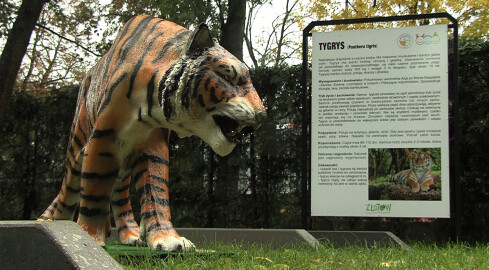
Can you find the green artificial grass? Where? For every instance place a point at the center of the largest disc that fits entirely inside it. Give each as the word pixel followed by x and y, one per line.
pixel 236 256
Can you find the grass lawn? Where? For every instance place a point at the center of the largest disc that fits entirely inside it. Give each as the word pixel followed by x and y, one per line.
pixel 235 256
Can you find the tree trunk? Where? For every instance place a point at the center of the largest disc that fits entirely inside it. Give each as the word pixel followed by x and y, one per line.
pixel 233 30
pixel 15 48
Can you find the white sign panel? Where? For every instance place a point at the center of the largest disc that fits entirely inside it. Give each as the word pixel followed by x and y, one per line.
pixel 379 127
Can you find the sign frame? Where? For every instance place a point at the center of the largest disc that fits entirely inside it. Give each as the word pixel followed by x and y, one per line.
pixel 455 194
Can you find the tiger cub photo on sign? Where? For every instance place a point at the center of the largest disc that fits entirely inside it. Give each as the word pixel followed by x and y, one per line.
pixel 404 174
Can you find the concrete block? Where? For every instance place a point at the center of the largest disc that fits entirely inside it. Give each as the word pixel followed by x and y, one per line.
pixel 50 245
pixel 341 239
pixel 274 237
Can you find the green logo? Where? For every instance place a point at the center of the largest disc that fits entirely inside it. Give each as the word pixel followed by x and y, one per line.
pixel 378 208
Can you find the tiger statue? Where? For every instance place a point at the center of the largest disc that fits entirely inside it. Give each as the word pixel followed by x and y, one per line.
pixel 419 176
pixel 156 77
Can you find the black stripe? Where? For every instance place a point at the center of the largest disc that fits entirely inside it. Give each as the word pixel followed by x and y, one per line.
pixel 133 38
pixel 198 79
pixel 221 75
pixel 121 202
pixel 127 227
pixel 77 141
pixel 159 227
pixel 186 92
pixel 70 189
pixel 201 101
pixel 159 179
pixel 152 199
pixel 109 95
pixel 151 213
pixel 91 175
pixel 150 91
pixel 150 32
pixel 71 208
pixel 219 57
pixel 138 175
pixel 125 214
pixel 123 188
pixel 140 117
pixel 213 97
pixel 139 64
pixel 149 188
pixel 97 133
pixel 72 169
pixel 94 198
pixel 91 212
pixel 124 30
pixel 105 154
pixel 170 43
pixel 235 73
pixel 172 88
pixel 207 82
pixel 161 85
pixel 149 158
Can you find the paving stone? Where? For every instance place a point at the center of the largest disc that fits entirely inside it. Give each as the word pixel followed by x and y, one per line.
pixel 50 245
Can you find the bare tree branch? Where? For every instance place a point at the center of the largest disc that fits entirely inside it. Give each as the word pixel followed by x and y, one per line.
pixel 67 39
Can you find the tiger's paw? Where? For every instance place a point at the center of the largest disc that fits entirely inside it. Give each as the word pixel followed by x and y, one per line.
pixel 415 188
pixel 130 237
pixel 426 185
pixel 171 243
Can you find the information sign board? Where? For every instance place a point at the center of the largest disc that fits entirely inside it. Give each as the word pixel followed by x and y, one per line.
pixel 379 103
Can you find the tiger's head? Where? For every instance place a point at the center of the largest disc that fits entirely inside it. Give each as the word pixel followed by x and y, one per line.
pixel 220 104
pixel 420 161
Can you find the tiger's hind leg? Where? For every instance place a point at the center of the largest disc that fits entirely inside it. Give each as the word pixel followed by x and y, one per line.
pixel 127 227
pixel 98 175
pixel 150 174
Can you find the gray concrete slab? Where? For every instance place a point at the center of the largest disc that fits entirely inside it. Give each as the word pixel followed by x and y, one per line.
pixel 50 245
pixel 274 237
pixel 341 239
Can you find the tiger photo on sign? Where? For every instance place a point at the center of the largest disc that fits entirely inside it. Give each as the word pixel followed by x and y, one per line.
pixel 404 174
pixel 156 77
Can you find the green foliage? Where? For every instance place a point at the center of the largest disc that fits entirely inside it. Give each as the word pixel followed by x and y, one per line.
pixel 474 129
pixel 188 13
pixel 33 141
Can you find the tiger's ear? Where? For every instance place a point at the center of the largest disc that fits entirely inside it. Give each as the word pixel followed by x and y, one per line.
pixel 200 39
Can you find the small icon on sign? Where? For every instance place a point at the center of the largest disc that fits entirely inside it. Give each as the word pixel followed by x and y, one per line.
pixel 405 41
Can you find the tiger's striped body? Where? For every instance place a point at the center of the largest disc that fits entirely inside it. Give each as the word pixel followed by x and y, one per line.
pixel 419 176
pixel 156 77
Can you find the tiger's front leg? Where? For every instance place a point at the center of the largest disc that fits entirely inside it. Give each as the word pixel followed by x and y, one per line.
pixel 413 183
pixel 425 186
pixel 150 174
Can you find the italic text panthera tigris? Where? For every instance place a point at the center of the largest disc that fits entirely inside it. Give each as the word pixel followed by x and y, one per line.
pixel 156 77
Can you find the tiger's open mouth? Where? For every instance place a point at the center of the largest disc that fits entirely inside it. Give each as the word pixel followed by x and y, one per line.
pixel 232 130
